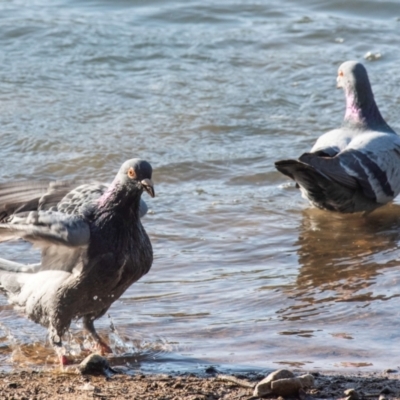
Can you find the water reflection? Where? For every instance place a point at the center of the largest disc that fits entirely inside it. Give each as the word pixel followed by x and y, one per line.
pixel 346 250
pixel 344 253
pixel 341 258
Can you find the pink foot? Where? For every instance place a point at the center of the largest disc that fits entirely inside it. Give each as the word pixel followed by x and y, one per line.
pixel 64 360
pixel 103 348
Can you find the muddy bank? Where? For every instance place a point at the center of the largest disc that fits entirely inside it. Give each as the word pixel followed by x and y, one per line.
pixel 72 385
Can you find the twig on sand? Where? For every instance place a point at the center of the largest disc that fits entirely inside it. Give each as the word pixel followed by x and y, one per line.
pixel 239 382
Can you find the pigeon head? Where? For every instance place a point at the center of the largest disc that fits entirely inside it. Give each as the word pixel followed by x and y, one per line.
pixel 353 77
pixel 136 173
pixel 125 191
pixel 361 109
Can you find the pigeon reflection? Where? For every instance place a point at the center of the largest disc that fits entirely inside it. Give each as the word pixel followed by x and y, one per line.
pixel 340 257
pixel 343 254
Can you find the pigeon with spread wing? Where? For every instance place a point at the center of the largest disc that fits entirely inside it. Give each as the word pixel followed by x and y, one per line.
pixel 93 246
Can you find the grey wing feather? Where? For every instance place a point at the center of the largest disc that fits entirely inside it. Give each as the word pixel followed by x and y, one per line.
pixel 331 168
pixel 66 196
pixel 62 238
pixel 46 227
pixel 81 196
pixel 61 258
pixel 28 196
pixel 12 266
pixel 54 257
pixel 349 169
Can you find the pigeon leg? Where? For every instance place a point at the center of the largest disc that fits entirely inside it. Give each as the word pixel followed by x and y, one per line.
pixel 88 324
pixel 64 360
pixel 59 349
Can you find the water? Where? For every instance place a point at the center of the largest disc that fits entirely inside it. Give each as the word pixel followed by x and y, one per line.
pixel 245 275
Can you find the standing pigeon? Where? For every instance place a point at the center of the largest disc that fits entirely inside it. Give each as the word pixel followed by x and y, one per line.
pixel 93 249
pixel 356 167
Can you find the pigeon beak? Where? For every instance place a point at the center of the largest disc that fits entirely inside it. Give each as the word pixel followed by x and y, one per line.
pixel 148 186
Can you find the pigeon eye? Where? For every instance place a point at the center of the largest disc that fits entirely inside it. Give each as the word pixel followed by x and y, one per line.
pixel 341 73
pixel 131 173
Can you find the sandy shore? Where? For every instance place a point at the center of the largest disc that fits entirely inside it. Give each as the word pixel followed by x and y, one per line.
pixel 72 385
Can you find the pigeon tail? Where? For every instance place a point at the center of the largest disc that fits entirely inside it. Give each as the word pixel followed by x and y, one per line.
pixel 322 192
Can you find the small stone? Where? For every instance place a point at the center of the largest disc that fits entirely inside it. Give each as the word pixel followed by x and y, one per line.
pixel 87 387
pixel 95 364
pixel 390 371
pixel 122 369
pixel 302 395
pixel 13 385
pixel 386 390
pixel 264 387
pixel 351 394
pixel 211 370
pixel 286 387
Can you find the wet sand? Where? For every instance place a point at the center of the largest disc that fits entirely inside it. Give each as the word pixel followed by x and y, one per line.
pixel 72 385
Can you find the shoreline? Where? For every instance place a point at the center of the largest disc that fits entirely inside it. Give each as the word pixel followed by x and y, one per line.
pixel 70 384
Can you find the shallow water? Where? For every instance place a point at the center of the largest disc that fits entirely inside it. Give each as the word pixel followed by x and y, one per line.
pixel 245 273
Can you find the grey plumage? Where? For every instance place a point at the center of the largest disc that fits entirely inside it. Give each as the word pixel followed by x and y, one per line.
pixel 356 167
pixel 93 248
pixel 62 196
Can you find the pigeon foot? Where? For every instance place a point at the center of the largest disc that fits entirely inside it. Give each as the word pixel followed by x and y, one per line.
pixel 64 360
pixel 103 348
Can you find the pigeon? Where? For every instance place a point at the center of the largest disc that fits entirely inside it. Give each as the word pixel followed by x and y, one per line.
pixel 355 168
pixel 93 247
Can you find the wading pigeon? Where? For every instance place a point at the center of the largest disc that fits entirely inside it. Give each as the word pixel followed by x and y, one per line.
pixel 93 248
pixel 356 167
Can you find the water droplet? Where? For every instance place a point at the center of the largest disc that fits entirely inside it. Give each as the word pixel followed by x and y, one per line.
pixel 95 297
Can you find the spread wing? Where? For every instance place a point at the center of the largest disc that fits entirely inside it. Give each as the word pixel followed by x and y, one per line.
pixel 62 238
pixel 46 227
pixel 65 196
pixel 29 196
